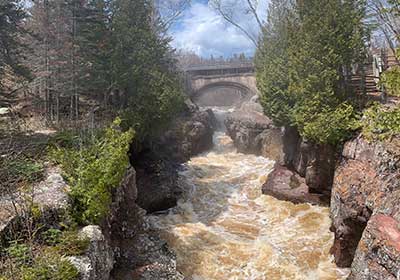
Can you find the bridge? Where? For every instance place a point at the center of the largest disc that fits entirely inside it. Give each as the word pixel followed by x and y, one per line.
pixel 223 84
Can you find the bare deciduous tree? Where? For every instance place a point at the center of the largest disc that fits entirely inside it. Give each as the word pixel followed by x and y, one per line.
pixel 171 10
pixel 230 10
pixel 385 17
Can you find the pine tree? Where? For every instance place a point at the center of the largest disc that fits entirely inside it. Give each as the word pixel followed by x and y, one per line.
pixel 304 65
pixel 142 67
pixel 12 16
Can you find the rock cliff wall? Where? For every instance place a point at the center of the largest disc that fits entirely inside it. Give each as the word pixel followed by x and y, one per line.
pixel 253 132
pixel 365 209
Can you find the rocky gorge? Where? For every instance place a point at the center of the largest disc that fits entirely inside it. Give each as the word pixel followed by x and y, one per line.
pixel 360 182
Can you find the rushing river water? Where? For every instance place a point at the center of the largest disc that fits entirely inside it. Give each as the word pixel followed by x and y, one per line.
pixel 224 228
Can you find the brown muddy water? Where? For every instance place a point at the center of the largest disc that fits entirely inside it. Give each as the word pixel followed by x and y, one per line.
pixel 224 228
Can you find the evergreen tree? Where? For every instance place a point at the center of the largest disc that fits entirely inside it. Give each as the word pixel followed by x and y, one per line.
pixel 141 66
pixel 305 65
pixel 12 16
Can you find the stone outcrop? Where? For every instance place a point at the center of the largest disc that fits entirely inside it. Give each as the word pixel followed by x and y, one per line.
pixel 50 195
pixel 254 133
pixel 157 183
pixel 365 209
pixel 98 261
pixel 314 162
pixel 156 166
pixel 191 133
pixel 139 253
pixel 285 184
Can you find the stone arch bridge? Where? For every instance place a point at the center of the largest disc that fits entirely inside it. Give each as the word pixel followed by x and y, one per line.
pixel 221 85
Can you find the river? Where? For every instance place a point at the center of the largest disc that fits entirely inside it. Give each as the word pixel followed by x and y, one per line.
pixel 225 229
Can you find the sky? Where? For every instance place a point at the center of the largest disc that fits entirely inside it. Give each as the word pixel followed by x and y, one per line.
pixel 202 30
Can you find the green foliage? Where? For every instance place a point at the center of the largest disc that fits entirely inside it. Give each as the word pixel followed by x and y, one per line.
pixel 19 253
pixel 71 244
pixel 326 125
pixel 52 236
pixel 26 169
pixel 391 80
pixel 306 49
pixel 155 108
pixel 43 257
pixel 50 266
pixel 380 123
pixel 93 171
pixel 143 68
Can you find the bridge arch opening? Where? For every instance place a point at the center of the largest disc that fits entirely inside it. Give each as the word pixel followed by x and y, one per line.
pixel 222 94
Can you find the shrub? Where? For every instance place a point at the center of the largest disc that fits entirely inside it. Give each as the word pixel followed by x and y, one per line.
pixel 380 122
pixel 50 266
pixel 93 170
pixel 27 262
pixel 19 253
pixel 71 244
pixel 326 125
pixel 391 80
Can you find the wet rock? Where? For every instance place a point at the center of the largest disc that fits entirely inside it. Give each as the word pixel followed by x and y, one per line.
pixel 316 163
pixel 285 184
pixel 157 186
pixel 190 134
pixel 368 174
pixel 136 248
pixel 157 262
pixel 254 133
pixel 98 261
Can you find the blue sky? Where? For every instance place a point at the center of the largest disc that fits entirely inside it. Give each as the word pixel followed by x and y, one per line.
pixel 202 30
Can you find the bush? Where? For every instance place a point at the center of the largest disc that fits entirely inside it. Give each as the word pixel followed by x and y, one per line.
pixel 50 266
pixel 27 262
pixel 391 80
pixel 19 253
pixel 93 170
pixel 380 123
pixel 326 125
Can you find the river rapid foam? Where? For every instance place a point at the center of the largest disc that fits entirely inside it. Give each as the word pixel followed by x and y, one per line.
pixel 224 228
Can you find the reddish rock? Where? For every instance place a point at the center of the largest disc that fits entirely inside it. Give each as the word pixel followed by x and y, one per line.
pixel 284 184
pixel 367 175
pixel 378 254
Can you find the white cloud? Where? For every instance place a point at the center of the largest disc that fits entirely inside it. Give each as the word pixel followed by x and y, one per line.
pixel 205 32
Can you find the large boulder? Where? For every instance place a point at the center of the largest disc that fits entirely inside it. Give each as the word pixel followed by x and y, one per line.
pixel 368 174
pixel 316 163
pixel 285 184
pixel 190 134
pixel 254 133
pixel 156 165
pixel 50 195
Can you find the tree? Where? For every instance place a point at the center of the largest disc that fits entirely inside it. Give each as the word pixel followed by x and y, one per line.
pixel 228 9
pixel 12 28
pixel 143 68
pixel 308 48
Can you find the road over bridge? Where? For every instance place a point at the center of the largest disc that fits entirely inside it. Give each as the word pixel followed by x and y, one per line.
pixel 221 84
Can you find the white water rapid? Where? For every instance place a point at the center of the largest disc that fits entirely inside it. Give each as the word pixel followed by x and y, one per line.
pixel 225 229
